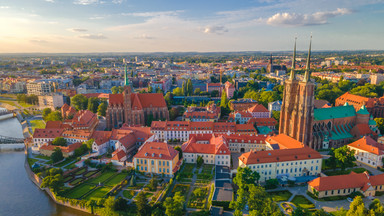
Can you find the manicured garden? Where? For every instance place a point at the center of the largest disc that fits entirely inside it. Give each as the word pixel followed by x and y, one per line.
pixel 79 191
pixel 42 157
pixel 65 162
pixel 76 181
pixel 279 196
pixel 345 172
pixel 198 197
pixel 101 178
pixel 31 161
pixel 301 201
pixel 187 172
pixel 98 193
pixel 138 186
pixel 80 171
pixel 90 173
pixel 37 124
pixel 129 193
pixel 116 179
pixel 182 188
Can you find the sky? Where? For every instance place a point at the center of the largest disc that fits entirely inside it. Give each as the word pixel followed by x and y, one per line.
pixel 83 26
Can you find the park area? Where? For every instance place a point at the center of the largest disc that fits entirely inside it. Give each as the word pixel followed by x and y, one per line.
pixel 198 197
pixel 37 124
pixel 301 201
pixel 279 196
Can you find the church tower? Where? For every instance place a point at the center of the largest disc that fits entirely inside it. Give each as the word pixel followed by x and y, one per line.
pixel 296 117
pixel 127 98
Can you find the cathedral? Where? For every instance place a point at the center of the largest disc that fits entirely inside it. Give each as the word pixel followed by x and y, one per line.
pixel 324 127
pixel 135 108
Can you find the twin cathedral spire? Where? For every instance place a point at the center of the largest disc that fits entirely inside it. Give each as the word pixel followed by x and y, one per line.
pixel 307 74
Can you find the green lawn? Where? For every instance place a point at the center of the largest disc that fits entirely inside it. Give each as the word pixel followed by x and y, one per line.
pixel 279 196
pixel 25 105
pixel 301 201
pixel 205 176
pixel 31 161
pixel 198 201
pixel 182 188
pixel 138 186
pixel 67 178
pixel 116 179
pixel 10 102
pixel 101 178
pixel 188 168
pixel 65 162
pixel 207 168
pixel 90 173
pixel 79 191
pixel 42 157
pixel 128 194
pixel 148 194
pixel 98 193
pixel 76 181
pixel 37 124
pixel 70 166
pixel 80 171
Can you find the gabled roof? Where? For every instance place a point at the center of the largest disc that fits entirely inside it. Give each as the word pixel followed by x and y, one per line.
pixel 64 149
pixel 118 155
pixel 217 145
pixel 363 110
pixel 151 100
pixel 284 142
pixel 258 108
pixel 116 99
pixel 334 113
pixel 47 133
pixel 101 137
pixel 279 155
pixel 369 145
pixel 156 150
pixel 362 130
pixel 352 180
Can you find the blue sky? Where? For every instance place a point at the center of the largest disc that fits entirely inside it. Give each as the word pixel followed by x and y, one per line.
pixel 204 26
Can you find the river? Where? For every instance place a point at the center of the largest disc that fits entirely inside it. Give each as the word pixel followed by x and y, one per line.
pixel 18 195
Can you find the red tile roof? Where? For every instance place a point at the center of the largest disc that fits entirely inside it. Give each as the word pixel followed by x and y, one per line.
pixel 101 137
pixel 258 108
pixel 151 100
pixel 369 145
pixel 352 180
pixel 116 99
pixel 263 121
pixel 64 149
pixel 118 155
pixel 57 125
pixel 47 133
pixel 217 144
pixel 258 157
pixel 284 141
pixel 362 130
pixel 156 150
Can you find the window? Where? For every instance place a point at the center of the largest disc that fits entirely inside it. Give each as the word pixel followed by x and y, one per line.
pixel 159 169
pixel 159 162
pixel 167 163
pixel 153 162
pixel 145 168
pixel 167 170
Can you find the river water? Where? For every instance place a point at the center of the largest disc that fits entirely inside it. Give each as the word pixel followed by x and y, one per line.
pixel 18 195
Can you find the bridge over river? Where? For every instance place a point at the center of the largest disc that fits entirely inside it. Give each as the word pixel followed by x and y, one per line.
pixel 10 140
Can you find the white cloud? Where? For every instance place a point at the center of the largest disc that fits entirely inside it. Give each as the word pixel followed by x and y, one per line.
pixel 4 7
pixel 217 29
pixel 39 41
pixel 294 19
pixel 97 17
pixel 117 1
pixel 154 14
pixel 51 1
pixel 86 2
pixel 145 36
pixel 93 36
pixel 77 30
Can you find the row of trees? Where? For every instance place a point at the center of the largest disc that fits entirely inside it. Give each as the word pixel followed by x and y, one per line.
pixel 93 104
pixel 29 99
pixel 48 115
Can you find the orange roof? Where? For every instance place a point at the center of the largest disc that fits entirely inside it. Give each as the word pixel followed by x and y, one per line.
pixel 64 149
pixel 77 134
pixel 97 95
pixel 118 155
pixel 258 108
pixel 217 144
pixel 47 133
pixel 156 150
pixel 352 180
pixel 116 99
pixel 245 128
pixel 284 141
pixel 151 100
pixel 279 155
pixel 369 145
pixel 362 130
pixel 101 137
pixel 84 118
pixel 263 121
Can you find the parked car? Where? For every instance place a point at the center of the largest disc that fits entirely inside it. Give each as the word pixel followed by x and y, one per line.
pixel 350 199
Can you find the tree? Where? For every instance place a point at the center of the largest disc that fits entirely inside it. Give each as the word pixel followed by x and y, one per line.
pixel 150 89
pixel 102 109
pixel 245 176
pixel 54 116
pixel 132 182
pixel 300 212
pixel 89 143
pixel 173 113
pixel 93 103
pixel 357 208
pixel 331 161
pixel 79 102
pixel 178 91
pixel 174 206
pixel 199 161
pixel 46 111
pixel 149 120
pixel 375 208
pixel 224 99
pixel 189 87
pixel 143 208
pixel 214 93
pixel 168 98
pixel 114 90
pixel 120 204
pixel 345 157
pixel 184 88
pixel 178 148
pixel 153 184
pixel 53 181
pixel 109 205
pixel 59 141
pixel 197 91
pixel 57 155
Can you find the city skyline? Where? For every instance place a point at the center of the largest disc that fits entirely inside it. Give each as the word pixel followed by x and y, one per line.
pixel 84 26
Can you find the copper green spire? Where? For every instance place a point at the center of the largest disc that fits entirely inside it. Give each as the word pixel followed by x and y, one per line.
pixel 126 75
pixel 293 77
pixel 307 74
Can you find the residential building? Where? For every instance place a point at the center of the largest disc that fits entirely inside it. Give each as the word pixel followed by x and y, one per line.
pixel 213 149
pixel 39 87
pixel 376 79
pixel 74 136
pixel 282 141
pixel 368 151
pixel 67 111
pixel 229 89
pixel 202 114
pixel 343 185
pixel 51 101
pixel 42 136
pixel 157 158
pixel 274 106
pixel 48 149
pixel 242 104
pixel 281 163
pixel 259 111
pixel 83 120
